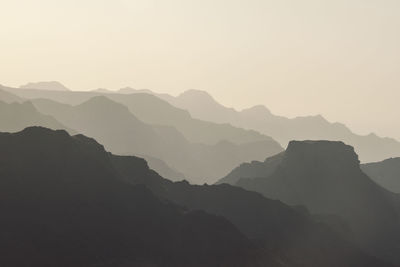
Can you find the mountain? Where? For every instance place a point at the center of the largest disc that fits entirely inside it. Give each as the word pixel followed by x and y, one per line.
pixel 253 169
pixel 113 125
pixel 15 117
pixel 386 173
pixel 130 90
pixel 163 169
pixel 102 90
pixel 64 204
pixel 51 86
pixel 8 97
pixel 202 106
pixel 153 110
pixel 326 178
pixel 290 234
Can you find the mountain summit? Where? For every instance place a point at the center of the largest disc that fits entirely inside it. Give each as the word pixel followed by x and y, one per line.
pixel 326 178
pixel 49 86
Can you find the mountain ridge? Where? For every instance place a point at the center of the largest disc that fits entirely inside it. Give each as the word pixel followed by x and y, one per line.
pixel 123 133
pixel 325 177
pixel 371 147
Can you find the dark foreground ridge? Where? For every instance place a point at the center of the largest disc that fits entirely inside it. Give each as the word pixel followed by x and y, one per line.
pixel 67 202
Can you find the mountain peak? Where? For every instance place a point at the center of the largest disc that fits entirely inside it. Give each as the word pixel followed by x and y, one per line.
pixel 102 90
pixel 195 94
pixel 130 90
pixel 103 105
pixel 318 152
pixel 101 101
pixel 43 131
pixel 47 85
pixel 259 109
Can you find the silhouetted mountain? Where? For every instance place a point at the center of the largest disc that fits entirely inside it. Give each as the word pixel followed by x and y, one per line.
pixel 63 204
pixel 386 173
pixel 200 102
pixel 282 231
pixel 253 169
pixel 74 204
pixel 326 178
pixel 151 109
pixel 163 169
pixel 129 90
pixel 51 86
pixel 102 90
pixel 8 97
pixel 121 132
pixel 202 106
pixel 15 117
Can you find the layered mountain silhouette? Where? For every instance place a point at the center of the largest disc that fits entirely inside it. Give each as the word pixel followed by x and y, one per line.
pixel 50 85
pixel 68 206
pixel 164 169
pixel 8 97
pixel 113 125
pixel 74 204
pixel 386 173
pixel 202 106
pixel 326 178
pixel 15 117
pixel 151 109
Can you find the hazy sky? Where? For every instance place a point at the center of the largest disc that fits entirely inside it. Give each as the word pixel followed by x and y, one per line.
pixel 339 58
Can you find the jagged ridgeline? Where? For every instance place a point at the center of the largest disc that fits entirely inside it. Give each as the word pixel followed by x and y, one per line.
pixel 142 124
pixel 68 202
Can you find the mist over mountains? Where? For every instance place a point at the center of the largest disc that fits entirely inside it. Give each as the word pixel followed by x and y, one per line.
pixel 202 106
pixel 135 178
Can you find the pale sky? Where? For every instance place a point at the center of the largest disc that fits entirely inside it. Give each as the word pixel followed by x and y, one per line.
pixel 338 58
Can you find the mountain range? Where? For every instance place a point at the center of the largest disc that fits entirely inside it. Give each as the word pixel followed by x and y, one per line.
pixel 69 207
pixel 326 178
pixel 15 117
pixel 203 106
pixel 153 110
pixel 74 204
pixel 153 201
pixel 168 151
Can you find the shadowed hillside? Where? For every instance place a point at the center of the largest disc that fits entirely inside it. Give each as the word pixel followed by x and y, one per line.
pixel 69 207
pixel 290 233
pixel 15 117
pixel 74 204
pixel 327 179
pixel 386 173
